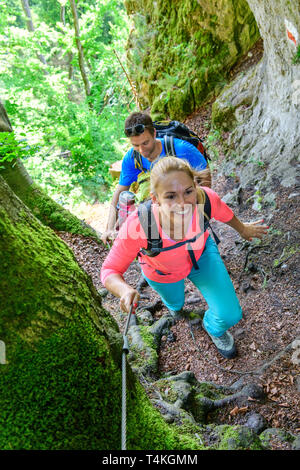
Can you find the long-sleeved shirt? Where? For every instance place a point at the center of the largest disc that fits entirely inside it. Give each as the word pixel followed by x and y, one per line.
pixel 168 266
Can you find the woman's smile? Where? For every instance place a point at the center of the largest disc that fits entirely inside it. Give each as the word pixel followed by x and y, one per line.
pixel 184 211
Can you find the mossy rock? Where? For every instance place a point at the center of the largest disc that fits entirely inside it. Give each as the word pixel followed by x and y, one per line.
pixel 181 51
pixel 277 434
pixel 223 116
pixel 236 438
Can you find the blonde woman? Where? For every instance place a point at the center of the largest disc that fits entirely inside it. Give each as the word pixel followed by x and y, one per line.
pixel 188 251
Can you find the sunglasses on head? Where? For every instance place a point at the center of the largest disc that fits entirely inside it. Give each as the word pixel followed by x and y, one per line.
pixel 135 130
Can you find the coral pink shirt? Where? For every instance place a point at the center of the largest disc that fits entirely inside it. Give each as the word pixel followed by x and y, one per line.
pixel 168 266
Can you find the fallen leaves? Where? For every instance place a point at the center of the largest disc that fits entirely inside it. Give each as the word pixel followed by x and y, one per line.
pixel 236 410
pixel 268 324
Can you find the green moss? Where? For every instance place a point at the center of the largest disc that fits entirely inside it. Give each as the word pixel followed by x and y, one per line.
pixel 56 395
pixel 61 386
pixel 205 389
pixel 237 438
pixel 54 215
pixel 296 58
pixel 66 394
pixel 166 390
pixel 160 435
pixel 223 117
pixel 33 271
pixel 180 51
pixel 144 357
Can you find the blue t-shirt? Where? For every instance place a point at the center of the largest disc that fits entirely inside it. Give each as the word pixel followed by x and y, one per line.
pixel 183 149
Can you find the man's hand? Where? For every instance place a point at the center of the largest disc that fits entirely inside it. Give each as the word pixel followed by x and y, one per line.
pixel 109 236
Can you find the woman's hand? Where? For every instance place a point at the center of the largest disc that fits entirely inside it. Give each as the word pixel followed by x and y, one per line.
pixel 248 230
pixel 254 230
pixel 118 287
pixel 130 296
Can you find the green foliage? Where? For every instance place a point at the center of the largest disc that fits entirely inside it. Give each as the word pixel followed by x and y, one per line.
pixel 296 58
pixel 10 149
pixel 75 137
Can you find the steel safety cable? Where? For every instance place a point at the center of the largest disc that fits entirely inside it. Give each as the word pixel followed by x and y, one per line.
pixel 125 351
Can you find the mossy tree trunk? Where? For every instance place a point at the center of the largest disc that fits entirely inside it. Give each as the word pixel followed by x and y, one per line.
pixel 61 384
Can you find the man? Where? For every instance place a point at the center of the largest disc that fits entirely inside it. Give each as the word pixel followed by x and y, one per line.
pixel 140 130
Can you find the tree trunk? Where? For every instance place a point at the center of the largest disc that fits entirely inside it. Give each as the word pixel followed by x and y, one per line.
pixel 264 104
pixel 61 383
pixel 63 14
pixel 80 49
pixel 30 27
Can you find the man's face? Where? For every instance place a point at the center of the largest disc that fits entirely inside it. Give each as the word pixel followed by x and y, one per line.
pixel 145 144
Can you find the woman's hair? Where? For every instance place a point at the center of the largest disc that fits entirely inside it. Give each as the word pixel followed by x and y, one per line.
pixel 166 165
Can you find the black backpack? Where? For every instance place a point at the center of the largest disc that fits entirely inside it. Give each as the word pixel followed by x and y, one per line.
pixel 168 130
pixel 155 243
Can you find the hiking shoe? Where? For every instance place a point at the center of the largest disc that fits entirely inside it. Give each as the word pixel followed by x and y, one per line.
pixel 224 344
pixel 175 314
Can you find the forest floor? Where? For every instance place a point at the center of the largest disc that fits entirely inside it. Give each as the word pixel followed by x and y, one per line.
pixel 266 278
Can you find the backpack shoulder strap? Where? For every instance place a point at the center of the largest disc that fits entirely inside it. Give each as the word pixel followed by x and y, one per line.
pixel 138 163
pixel 149 225
pixel 207 206
pixel 169 146
pixel 207 215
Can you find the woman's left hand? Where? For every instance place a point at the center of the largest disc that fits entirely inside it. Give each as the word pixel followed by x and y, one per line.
pixel 254 230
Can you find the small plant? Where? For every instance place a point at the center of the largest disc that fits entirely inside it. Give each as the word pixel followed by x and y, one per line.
pixel 211 141
pixel 296 58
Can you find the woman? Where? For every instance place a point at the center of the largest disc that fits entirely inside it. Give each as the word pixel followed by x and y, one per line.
pixel 177 207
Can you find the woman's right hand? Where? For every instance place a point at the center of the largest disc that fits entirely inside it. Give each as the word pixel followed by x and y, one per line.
pixel 130 297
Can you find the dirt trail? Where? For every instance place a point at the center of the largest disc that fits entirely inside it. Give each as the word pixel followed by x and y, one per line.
pixel 266 279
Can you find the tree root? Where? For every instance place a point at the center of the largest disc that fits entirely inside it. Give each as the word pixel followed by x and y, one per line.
pixel 259 370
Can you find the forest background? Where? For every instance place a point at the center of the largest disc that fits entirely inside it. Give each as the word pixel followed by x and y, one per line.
pixel 66 96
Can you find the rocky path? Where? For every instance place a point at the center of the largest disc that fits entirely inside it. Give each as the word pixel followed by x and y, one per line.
pixel 266 278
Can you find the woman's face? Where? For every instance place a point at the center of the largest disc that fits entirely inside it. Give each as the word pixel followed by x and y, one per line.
pixel 176 195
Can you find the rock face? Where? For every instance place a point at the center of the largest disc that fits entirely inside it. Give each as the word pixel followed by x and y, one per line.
pixel 180 50
pixel 263 106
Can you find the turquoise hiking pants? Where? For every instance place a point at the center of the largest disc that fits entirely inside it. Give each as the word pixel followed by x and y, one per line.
pixel 214 283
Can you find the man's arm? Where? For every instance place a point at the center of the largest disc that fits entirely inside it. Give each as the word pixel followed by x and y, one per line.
pixel 110 232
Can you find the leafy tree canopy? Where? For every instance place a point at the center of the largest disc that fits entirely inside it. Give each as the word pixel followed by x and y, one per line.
pixel 73 137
